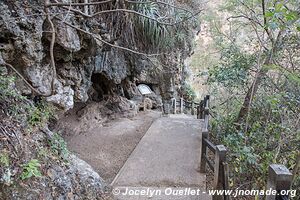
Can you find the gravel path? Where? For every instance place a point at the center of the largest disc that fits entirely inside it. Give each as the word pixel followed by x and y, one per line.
pixel 106 147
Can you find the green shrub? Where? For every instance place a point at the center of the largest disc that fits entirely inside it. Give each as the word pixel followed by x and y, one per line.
pixel 233 70
pixel 16 105
pixel 59 146
pixel 7 89
pixel 31 169
pixel 4 159
pixel 40 114
pixel 11 101
pixel 270 137
pixel 189 92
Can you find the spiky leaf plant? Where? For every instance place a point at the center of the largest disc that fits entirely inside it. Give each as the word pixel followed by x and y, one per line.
pixel 148 29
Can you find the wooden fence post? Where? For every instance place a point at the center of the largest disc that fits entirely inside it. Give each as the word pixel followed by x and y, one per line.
pixel 279 178
pixel 198 111
pixel 203 151
pixel 201 109
pixel 193 108
pixel 207 97
pixel 219 171
pixel 181 105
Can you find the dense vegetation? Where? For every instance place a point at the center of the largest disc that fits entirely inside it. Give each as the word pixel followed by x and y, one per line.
pixel 255 87
pixel 22 118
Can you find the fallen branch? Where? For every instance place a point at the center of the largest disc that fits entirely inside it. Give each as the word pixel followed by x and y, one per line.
pixel 8 137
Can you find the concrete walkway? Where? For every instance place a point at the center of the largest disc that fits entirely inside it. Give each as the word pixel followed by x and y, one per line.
pixel 165 161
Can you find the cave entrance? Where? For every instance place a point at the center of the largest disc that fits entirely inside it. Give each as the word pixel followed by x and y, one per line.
pixel 102 86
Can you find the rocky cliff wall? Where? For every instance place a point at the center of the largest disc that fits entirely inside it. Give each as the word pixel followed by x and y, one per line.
pixel 86 69
pixel 25 36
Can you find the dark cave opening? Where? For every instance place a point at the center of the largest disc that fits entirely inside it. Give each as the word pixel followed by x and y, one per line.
pixel 102 86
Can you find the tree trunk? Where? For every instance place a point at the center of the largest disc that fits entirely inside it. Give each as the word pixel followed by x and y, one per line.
pixel 252 91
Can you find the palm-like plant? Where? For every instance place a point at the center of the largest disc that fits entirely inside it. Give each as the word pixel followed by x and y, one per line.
pixel 148 29
pixel 159 35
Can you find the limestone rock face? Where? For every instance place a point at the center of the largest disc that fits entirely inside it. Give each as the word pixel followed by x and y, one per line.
pixel 64 97
pixel 87 70
pixel 67 37
pixel 80 174
pixel 25 44
pixel 40 77
pixel 79 181
pixel 113 64
pixel 25 35
pixel 147 71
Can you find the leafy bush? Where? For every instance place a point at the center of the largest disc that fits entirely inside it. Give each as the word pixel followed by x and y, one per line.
pixel 39 114
pixel 4 159
pixel 7 87
pixel 31 169
pixel 59 146
pixel 233 68
pixel 11 101
pixel 269 135
pixel 188 92
pixel 18 106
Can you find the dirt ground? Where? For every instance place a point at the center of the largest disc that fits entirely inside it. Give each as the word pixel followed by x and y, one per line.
pixel 105 144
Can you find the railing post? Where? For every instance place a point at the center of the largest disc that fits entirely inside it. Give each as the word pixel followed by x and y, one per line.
pixel 206 121
pixel 181 105
pixel 174 106
pixel 207 97
pixel 206 106
pixel 201 109
pixel 279 178
pixel 193 108
pixel 166 109
pixel 203 151
pixel 219 171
